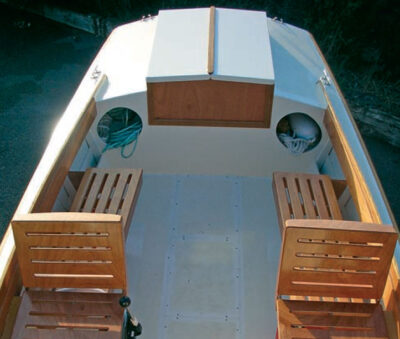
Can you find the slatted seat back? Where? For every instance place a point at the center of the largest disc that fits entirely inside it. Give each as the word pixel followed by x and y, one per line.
pixel 70 250
pixel 331 258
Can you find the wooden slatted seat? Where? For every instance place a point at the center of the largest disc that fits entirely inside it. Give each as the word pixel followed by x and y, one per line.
pixel 70 251
pixel 112 191
pixel 333 259
pixel 304 196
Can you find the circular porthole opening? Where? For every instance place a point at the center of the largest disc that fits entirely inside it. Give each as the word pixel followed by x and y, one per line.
pixel 298 132
pixel 118 128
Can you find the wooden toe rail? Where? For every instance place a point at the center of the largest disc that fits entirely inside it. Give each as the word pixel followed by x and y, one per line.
pixel 112 191
pixel 304 196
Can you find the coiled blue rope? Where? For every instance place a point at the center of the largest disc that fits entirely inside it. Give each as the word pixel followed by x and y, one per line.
pixel 121 138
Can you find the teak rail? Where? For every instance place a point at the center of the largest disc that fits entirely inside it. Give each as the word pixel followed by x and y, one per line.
pixel 359 186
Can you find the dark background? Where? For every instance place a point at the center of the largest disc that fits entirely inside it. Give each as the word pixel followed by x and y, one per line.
pixel 42 62
pixel 360 33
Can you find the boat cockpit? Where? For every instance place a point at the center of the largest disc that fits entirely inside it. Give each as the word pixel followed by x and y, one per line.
pixel 208 167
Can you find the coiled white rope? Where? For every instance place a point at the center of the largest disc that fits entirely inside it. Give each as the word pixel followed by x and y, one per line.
pixel 295 145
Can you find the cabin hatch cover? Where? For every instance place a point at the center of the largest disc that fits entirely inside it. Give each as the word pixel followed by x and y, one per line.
pixel 211 67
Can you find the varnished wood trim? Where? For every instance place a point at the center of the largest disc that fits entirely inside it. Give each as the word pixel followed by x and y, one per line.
pixel 150 104
pixel 11 316
pixel 358 187
pixel 47 180
pixel 211 41
pixel 128 221
pixel 348 111
pixel 10 287
pixel 339 186
pixel 393 280
pixel 268 109
pixel 208 123
pixel 340 225
pixel 68 217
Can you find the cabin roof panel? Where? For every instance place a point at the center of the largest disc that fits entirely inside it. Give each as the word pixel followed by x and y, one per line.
pixel 242 47
pixel 180 47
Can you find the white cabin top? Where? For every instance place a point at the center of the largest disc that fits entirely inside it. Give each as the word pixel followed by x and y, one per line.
pixel 242 51
pixel 135 54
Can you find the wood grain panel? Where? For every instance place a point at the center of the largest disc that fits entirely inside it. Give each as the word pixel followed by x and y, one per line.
pixel 324 320
pixel 302 195
pixel 113 191
pixel 210 103
pixel 325 241
pixel 86 235
pixel 11 317
pixel 68 315
pixel 211 41
pixel 339 186
pixel 391 298
pixel 358 188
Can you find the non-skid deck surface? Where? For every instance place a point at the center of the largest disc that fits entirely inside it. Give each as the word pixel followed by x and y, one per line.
pixel 202 256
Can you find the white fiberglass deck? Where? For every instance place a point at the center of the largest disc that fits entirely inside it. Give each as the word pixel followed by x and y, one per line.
pixel 202 256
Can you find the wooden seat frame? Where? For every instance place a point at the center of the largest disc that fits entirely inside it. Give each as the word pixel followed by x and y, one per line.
pixel 304 196
pixel 331 261
pixel 74 251
pixel 109 190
